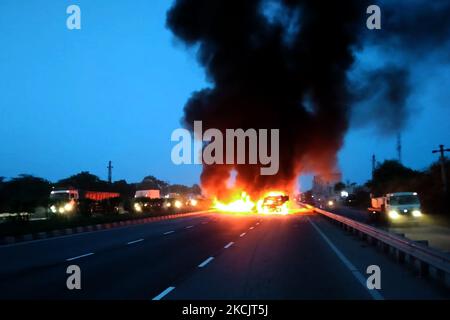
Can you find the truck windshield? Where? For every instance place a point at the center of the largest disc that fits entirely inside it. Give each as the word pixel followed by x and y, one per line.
pixel 59 196
pixel 405 199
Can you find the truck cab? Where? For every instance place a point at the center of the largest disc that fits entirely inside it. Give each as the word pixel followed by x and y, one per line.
pixel 398 206
pixel 64 201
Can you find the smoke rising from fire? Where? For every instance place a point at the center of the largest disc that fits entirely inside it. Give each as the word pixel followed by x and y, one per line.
pixel 414 33
pixel 280 65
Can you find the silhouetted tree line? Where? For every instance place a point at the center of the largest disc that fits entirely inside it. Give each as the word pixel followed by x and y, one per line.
pixel 25 192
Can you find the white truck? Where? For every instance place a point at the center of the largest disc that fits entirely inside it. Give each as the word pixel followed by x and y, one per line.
pixel 397 206
pixel 151 194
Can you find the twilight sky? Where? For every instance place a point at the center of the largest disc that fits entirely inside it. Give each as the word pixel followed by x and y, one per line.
pixel 114 90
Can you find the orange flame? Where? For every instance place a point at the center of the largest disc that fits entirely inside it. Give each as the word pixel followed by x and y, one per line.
pixel 242 203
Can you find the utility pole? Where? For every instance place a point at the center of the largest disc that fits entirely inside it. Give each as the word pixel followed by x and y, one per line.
pixel 399 146
pixel 441 150
pixel 110 167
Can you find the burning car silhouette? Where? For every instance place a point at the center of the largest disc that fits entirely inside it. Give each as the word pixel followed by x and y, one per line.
pixel 275 204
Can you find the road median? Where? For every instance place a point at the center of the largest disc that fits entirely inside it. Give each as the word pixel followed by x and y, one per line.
pixel 15 232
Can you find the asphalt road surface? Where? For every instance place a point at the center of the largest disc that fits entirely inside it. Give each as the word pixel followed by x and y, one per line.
pixel 209 256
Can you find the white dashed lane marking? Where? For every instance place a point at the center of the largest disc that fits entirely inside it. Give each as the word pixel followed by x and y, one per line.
pixel 229 245
pixel 164 293
pixel 135 241
pixel 204 263
pixel 81 256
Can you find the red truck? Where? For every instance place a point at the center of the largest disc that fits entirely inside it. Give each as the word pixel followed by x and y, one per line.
pixel 71 201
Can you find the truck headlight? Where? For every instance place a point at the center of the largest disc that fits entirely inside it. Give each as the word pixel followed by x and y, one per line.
pixel 178 204
pixel 137 207
pixel 330 203
pixel 53 209
pixel 68 207
pixel 194 202
pixel 61 210
pixel 393 214
pixel 416 213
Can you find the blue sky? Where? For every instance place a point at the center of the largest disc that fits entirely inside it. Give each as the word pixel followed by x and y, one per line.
pixel 115 90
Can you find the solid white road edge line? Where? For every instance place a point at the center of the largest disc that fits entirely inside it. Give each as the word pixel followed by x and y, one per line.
pixel 375 294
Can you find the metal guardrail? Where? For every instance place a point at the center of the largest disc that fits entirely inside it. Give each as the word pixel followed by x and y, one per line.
pixel 428 259
pixel 7 215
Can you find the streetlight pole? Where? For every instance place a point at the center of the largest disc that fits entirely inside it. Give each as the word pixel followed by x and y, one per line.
pixel 441 150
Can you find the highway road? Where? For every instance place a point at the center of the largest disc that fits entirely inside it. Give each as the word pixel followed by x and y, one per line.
pixel 209 256
pixel 430 228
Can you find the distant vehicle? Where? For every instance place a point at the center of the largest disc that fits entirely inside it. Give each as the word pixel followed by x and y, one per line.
pixel 72 201
pixel 173 203
pixel 151 194
pixel 146 205
pixel 323 201
pixel 350 200
pixel 330 203
pixel 274 203
pixel 398 206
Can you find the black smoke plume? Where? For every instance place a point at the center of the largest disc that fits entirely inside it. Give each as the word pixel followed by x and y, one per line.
pixel 284 65
pixel 413 33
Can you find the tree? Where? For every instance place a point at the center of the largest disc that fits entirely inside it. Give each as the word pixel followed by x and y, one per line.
pixel 179 188
pixel 392 176
pixel 338 187
pixel 195 189
pixel 2 197
pixel 150 182
pixel 429 187
pixel 85 181
pixel 125 189
pixel 24 193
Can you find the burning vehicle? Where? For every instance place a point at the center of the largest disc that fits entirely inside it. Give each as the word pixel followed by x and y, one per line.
pixel 275 204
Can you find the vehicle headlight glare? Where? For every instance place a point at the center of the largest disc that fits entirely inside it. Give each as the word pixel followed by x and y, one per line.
pixel 393 214
pixel 416 213
pixel 68 207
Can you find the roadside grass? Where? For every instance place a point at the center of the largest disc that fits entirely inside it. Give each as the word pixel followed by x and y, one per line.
pixel 18 228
